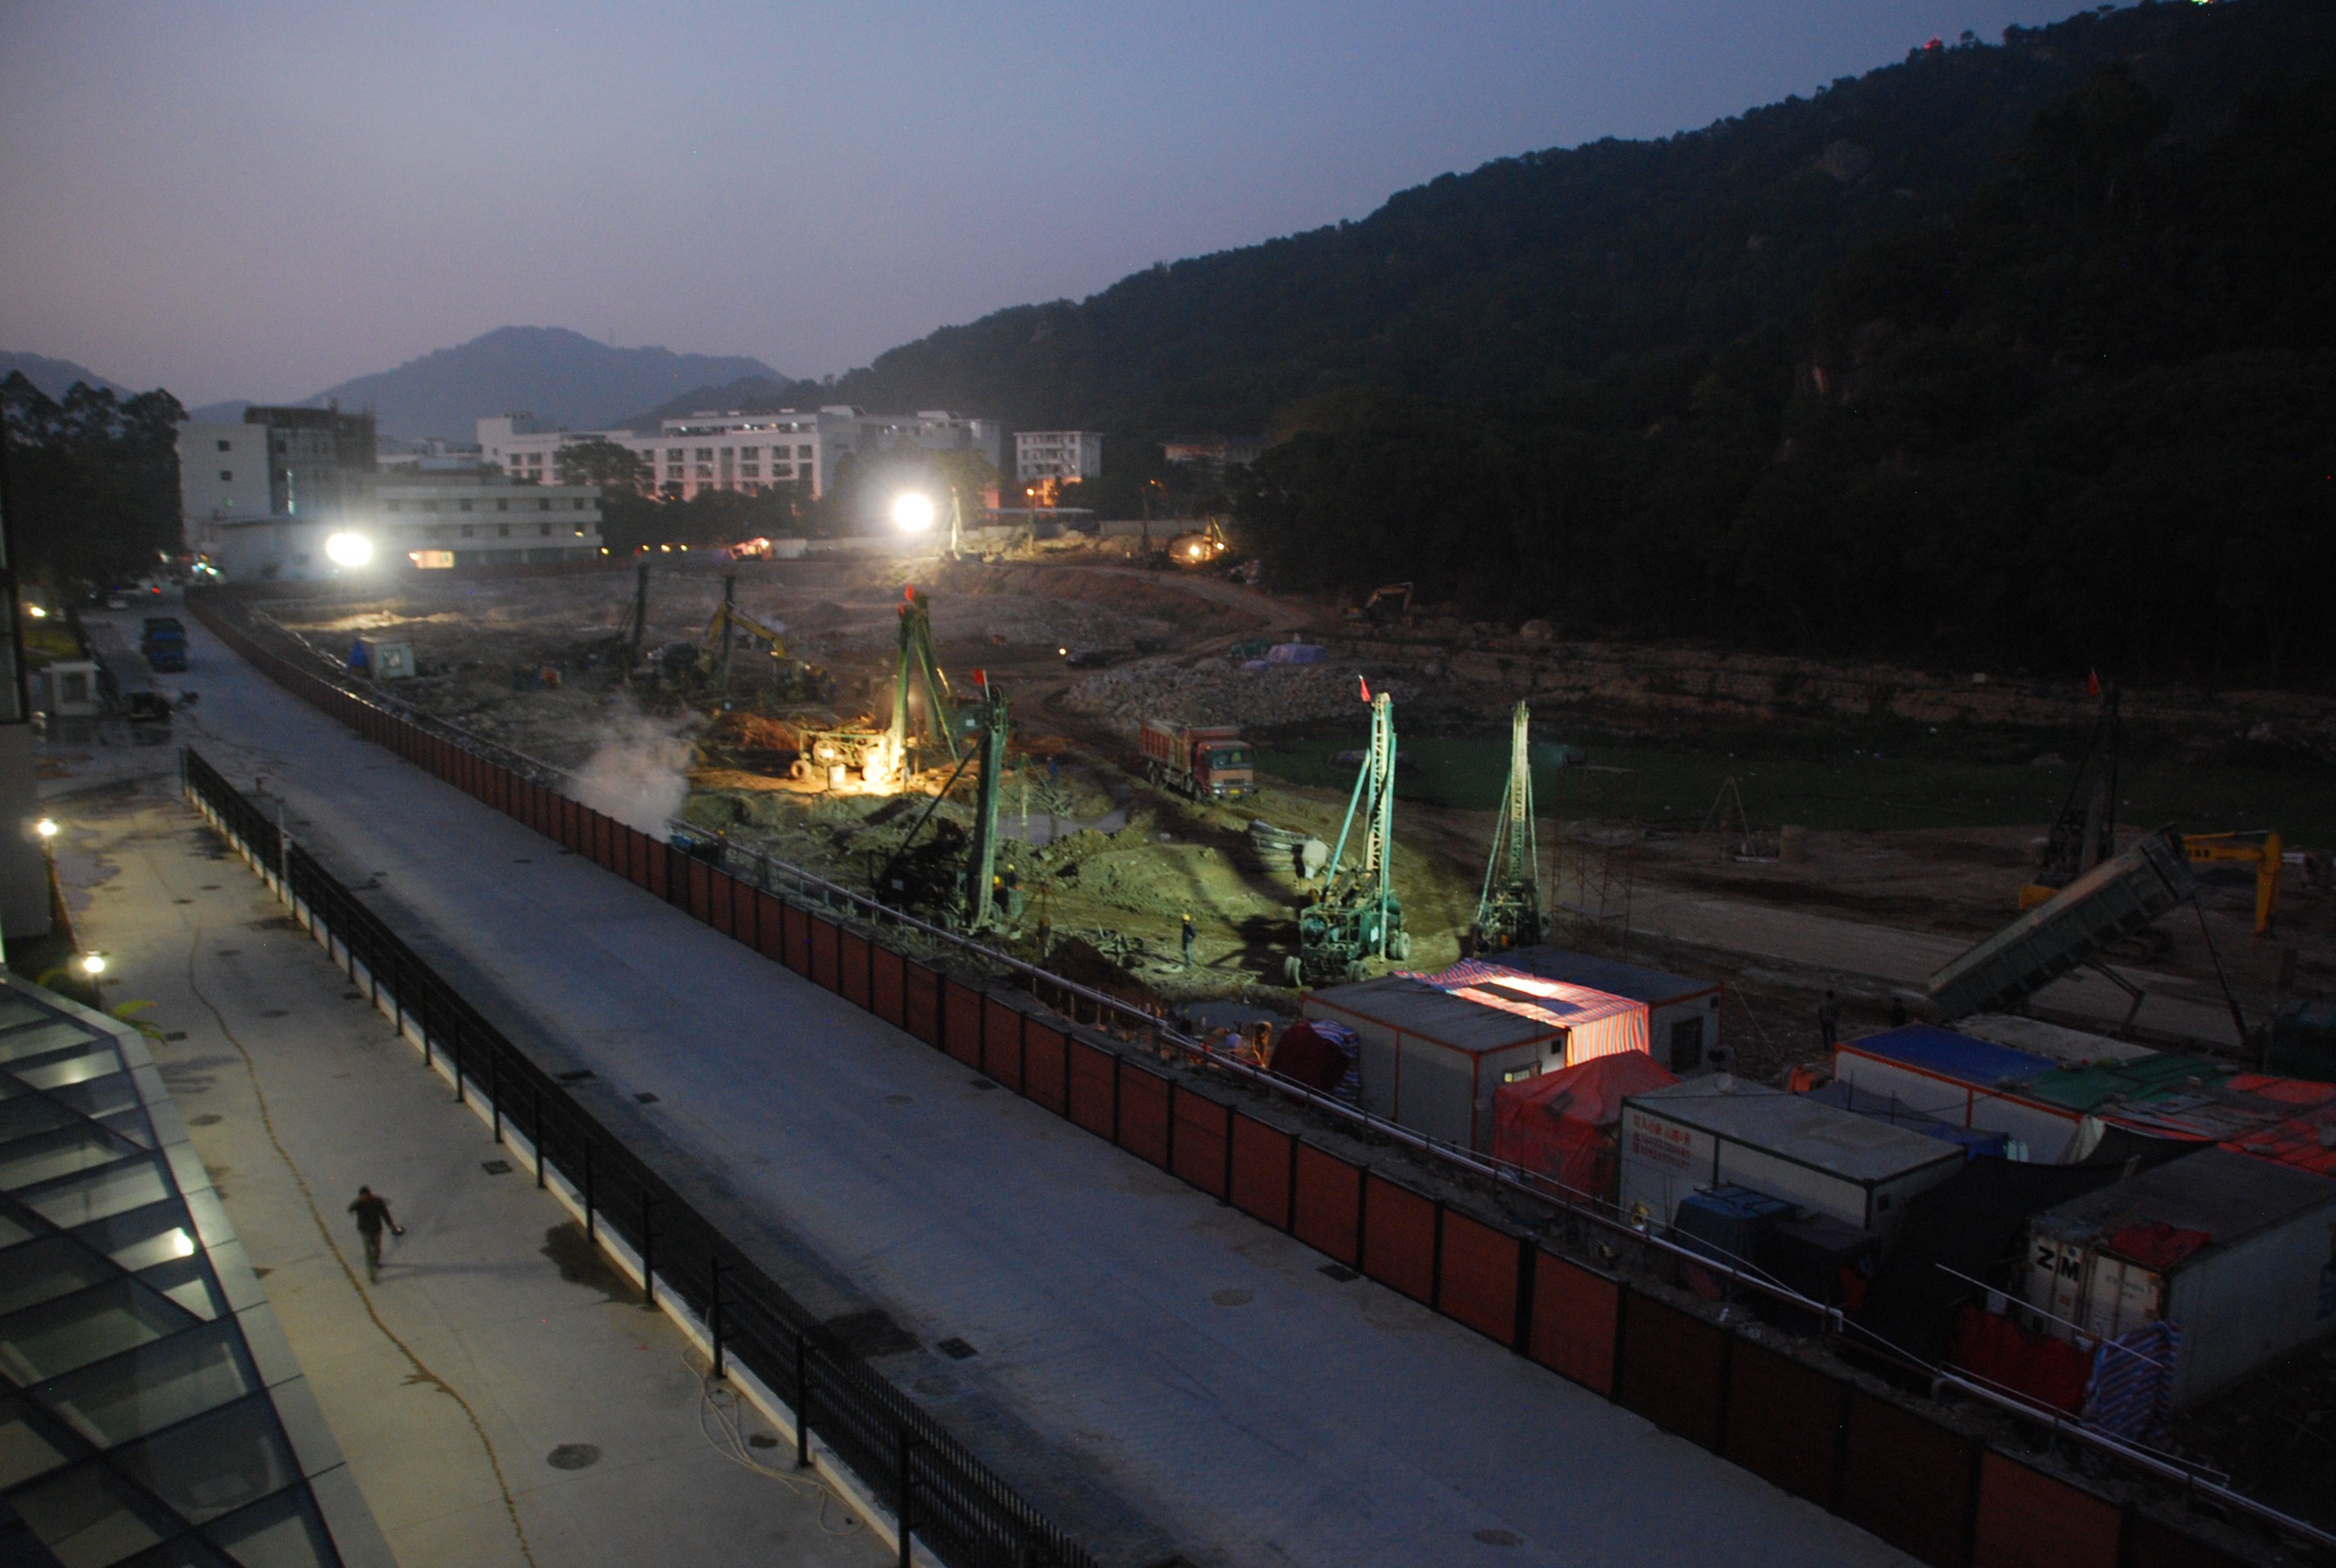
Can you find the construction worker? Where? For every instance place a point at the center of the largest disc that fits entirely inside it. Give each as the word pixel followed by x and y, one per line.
pixel 1191 932
pixel 1829 1019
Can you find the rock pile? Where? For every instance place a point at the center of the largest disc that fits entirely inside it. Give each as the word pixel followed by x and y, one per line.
pixel 1214 693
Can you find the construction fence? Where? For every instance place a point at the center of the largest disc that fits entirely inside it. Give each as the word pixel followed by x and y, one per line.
pixel 1940 1493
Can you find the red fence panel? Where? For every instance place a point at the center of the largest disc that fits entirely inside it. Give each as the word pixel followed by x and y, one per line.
pixel 1327 1205
pixel 920 1002
pixel 1399 1238
pixel 1093 1089
pixel 961 1023
pixel 1479 1270
pixel 663 860
pixel 1144 1124
pixel 648 861
pixel 1784 1421
pixel 884 982
pixel 798 939
pixel 701 891
pixel 2152 1544
pixel 770 927
pixel 743 895
pixel 1576 1314
pixel 852 967
pixel 1203 1139
pixel 1260 1180
pixel 604 841
pixel 1908 1480
pixel 501 789
pixel 1044 1065
pixel 2027 1519
pixel 1673 1368
pixel 1001 1042
pixel 824 945
pixel 721 901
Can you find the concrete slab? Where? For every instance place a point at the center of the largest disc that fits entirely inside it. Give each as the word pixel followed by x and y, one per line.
pixel 1131 1332
pixel 453 1383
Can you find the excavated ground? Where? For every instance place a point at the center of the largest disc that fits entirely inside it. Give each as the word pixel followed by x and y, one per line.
pixel 1109 865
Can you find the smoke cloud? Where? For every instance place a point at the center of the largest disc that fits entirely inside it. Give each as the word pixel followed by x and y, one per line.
pixel 638 772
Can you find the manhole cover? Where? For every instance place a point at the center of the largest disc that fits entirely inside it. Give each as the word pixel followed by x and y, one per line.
pixel 955 1348
pixel 572 1457
pixel 1340 1272
pixel 208 1119
pixel 496 1167
pixel 1500 1538
pixel 1233 1297
pixel 761 1440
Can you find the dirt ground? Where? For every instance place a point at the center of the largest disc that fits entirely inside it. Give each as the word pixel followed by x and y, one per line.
pixel 1109 865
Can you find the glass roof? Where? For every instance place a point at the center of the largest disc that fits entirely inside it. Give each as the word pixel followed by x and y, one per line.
pixel 137 1426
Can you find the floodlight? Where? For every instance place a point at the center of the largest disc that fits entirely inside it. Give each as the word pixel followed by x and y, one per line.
pixel 93 964
pixel 912 511
pixel 349 549
pixel 47 827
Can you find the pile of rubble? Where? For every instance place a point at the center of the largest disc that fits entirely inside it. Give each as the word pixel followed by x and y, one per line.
pixel 1215 693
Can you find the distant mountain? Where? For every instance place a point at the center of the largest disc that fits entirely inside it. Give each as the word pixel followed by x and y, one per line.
pixel 558 375
pixel 1501 284
pixel 227 412
pixel 57 377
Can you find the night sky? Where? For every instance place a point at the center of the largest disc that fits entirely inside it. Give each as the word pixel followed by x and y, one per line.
pixel 260 201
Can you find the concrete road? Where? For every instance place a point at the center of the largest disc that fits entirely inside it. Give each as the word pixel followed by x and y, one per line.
pixel 500 1395
pixel 1134 1339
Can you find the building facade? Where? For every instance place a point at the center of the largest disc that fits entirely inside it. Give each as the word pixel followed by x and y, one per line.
pixel 1061 454
pixel 276 463
pixel 421 521
pixel 740 451
pixel 1214 452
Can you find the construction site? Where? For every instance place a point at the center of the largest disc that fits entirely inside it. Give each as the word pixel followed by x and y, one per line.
pixel 923 729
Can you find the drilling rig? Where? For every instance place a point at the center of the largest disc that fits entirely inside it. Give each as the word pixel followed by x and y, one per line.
pixel 1508 914
pixel 1359 915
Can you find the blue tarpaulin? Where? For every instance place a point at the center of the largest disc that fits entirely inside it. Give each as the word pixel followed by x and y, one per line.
pixel 1958 1056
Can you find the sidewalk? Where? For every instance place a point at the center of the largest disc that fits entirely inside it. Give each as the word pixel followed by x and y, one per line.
pixel 500 1395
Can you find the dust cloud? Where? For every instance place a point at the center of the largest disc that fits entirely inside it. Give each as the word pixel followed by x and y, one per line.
pixel 637 773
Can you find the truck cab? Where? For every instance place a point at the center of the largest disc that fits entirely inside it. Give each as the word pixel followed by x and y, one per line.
pixel 1224 769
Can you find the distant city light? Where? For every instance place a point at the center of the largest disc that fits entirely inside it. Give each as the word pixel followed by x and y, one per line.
pixel 349 548
pixel 912 512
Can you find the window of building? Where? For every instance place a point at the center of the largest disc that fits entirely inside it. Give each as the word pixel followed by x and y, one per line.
pixel 464 505
pixel 393 506
pixel 502 531
pixel 675 454
pixel 749 453
pixel 673 470
pixel 580 503
pixel 226 476
pixel 750 471
pixel 467 530
pixel 544 529
pixel 543 506
pixel 705 471
pixel 502 506
pixel 706 454
pixel 802 451
pixel 227 446
pixel 429 506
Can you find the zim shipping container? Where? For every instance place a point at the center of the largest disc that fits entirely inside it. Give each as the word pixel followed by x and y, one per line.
pixel 1718 1132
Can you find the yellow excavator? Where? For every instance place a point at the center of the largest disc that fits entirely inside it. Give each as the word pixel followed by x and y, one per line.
pixel 2259 849
pixel 795 679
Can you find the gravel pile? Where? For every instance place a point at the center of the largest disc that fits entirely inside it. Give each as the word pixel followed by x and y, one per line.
pixel 1222 694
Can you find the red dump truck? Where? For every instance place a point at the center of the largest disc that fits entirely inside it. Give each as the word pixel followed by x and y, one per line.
pixel 1207 762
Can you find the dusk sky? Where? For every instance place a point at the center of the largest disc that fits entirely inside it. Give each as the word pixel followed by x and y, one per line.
pixel 260 201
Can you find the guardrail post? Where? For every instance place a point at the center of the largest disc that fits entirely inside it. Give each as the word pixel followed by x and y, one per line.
pixel 458 1063
pixel 590 1230
pixel 903 1511
pixel 802 1405
pixel 649 1253
pixel 495 1091
pixel 540 1156
pixel 714 1313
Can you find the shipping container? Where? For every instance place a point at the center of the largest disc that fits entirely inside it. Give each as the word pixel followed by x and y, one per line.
pixel 1431 1060
pixel 1682 1013
pixel 1720 1131
pixel 2237 1251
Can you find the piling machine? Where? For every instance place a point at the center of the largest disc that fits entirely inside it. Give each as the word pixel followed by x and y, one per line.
pixel 1358 916
pixel 1509 911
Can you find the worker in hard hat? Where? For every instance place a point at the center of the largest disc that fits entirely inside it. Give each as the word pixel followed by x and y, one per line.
pixel 1191 932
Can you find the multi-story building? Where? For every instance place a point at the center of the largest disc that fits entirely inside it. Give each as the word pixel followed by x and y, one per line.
pixel 1214 452
pixel 1061 454
pixel 743 452
pixel 421 520
pixel 296 462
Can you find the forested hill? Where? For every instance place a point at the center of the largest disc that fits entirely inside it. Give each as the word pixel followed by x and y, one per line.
pixel 1484 286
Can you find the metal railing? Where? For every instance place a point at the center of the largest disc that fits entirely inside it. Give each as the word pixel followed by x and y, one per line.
pixel 962 1512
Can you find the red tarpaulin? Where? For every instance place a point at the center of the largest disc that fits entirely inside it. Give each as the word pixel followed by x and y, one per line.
pixel 1562 1125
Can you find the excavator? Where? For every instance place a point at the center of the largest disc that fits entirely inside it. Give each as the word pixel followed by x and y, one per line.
pixel 797 680
pixel 2085 832
pixel 1388 605
pixel 1509 911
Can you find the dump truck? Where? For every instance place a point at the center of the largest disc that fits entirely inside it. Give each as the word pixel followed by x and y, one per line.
pixel 1207 762
pixel 163 641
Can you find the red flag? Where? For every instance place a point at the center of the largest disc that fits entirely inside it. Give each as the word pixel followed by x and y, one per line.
pixel 2092 682
pixel 1366 688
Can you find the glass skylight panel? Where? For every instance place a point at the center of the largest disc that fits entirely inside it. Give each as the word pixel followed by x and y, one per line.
pixel 59 1152
pixel 118 1189
pixel 43 1271
pixel 280 1531
pixel 215 1464
pixel 78 1067
pixel 155 1387
pixel 73 1331
pixel 91 1517
pixel 23 1044
pixel 143 1237
pixel 28 1448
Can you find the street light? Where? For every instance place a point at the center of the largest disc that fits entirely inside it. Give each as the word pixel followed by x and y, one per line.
pixel 47 827
pixel 350 549
pixel 93 964
pixel 912 511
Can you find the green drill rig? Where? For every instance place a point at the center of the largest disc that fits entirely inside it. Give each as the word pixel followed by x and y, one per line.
pixel 1508 914
pixel 1358 916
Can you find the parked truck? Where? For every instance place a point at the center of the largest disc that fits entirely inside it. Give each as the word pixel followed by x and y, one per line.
pixel 1207 762
pixel 163 641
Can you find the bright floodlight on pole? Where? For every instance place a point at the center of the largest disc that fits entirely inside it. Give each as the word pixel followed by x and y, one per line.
pixel 912 511
pixel 47 827
pixel 93 964
pixel 350 549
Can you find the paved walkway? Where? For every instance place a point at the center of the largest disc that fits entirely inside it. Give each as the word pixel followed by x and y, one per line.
pixel 496 1351
pixel 1134 1339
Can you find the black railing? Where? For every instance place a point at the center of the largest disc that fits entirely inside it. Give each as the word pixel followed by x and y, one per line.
pixel 962 1513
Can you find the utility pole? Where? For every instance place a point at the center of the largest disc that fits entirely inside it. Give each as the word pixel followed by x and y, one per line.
pixel 640 612
pixel 729 604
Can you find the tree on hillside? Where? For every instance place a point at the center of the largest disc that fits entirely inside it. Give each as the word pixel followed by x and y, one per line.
pixel 616 469
pixel 92 481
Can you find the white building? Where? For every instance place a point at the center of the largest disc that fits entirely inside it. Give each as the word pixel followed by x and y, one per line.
pixel 420 522
pixel 1063 455
pixel 222 474
pixel 745 451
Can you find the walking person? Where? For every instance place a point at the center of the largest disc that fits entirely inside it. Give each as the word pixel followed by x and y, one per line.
pixel 1829 1019
pixel 373 1214
pixel 1191 931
